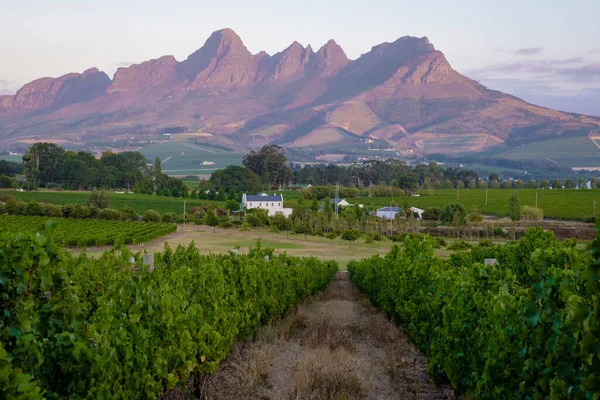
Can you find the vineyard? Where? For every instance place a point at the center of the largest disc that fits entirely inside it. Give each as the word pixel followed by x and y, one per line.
pixel 569 204
pixel 139 202
pixel 109 328
pixel 91 232
pixel 525 328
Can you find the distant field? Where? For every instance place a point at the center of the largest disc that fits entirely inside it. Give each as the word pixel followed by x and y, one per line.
pixel 139 202
pixel 560 204
pixel 12 158
pixel 182 158
pixel 579 151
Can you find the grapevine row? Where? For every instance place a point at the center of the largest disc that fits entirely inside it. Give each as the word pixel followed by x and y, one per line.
pixel 526 328
pixel 83 233
pixel 78 327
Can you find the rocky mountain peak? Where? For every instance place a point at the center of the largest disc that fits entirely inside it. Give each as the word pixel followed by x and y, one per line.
pixel 331 57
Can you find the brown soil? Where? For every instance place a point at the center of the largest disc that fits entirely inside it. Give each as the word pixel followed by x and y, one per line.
pixel 334 346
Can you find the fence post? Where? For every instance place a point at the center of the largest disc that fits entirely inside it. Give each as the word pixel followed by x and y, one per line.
pixel 149 260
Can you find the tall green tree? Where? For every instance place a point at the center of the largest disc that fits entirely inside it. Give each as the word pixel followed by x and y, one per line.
pixel 270 163
pixel 514 209
pixel 41 162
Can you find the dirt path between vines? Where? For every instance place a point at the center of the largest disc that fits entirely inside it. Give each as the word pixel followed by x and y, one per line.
pixel 333 346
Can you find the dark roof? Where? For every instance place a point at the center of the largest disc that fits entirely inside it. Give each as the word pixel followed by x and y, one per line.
pixel 257 197
pixel 393 209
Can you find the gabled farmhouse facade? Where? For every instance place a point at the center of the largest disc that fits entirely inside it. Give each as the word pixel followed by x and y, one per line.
pixel 273 204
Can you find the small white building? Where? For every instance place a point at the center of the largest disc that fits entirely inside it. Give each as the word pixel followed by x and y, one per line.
pixel 273 204
pixel 341 203
pixel 388 212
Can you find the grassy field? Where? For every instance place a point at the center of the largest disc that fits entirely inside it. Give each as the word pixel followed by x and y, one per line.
pixel 139 202
pixel 296 245
pixel 562 203
pixel 182 158
pixel 577 151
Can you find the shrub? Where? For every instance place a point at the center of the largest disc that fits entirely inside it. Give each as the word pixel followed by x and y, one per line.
pixel 14 207
pixel 99 199
pixel 52 210
pixel 454 214
pixel 34 208
pixel 351 235
pixel 432 214
pixel 170 218
pixel 225 223
pixel 128 214
pixel 6 197
pixel 80 211
pixel 6 182
pixel 110 214
pixel 369 238
pixel 529 213
pixel 151 216
pixel 459 245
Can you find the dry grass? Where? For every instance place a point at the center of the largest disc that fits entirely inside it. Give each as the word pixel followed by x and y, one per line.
pixel 333 346
pixel 337 374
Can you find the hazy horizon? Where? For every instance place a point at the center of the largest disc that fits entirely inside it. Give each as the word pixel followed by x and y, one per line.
pixel 547 53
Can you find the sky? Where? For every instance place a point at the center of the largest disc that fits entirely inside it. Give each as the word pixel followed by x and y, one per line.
pixel 546 52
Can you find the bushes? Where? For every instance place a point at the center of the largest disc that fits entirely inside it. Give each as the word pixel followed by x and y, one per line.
pixel 34 208
pixel 109 214
pixel 454 214
pixel 128 214
pixel 170 218
pixel 529 213
pixel 432 214
pixel 151 216
pixel 351 235
pixel 99 199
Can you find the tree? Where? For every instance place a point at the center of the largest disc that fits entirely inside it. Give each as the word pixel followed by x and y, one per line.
pixel 270 163
pixel 569 184
pixel 237 179
pixel 6 181
pixel 128 214
pixel 151 216
pixel 211 219
pixel 556 184
pixel 532 184
pixel 514 209
pixel 493 177
pixel 99 199
pixel 41 162
pixel 157 170
pixel 408 182
pixel 454 213
pixel 432 214
pixel 350 235
pixel 544 184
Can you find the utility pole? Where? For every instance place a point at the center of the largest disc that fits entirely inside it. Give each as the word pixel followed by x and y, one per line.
pixel 337 193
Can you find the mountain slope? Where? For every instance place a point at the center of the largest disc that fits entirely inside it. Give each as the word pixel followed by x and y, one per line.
pixel 404 92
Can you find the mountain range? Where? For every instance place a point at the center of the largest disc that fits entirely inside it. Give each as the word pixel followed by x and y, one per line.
pixel 403 93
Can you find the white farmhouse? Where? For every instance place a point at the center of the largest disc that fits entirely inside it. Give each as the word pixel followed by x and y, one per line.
pixel 273 204
pixel 388 212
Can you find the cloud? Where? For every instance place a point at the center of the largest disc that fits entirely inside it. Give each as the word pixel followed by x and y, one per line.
pixel 8 87
pixel 529 66
pixel 529 51
pixel 584 72
pixel 126 63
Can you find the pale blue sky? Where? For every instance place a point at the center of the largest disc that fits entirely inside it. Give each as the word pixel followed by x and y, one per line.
pixel 544 51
